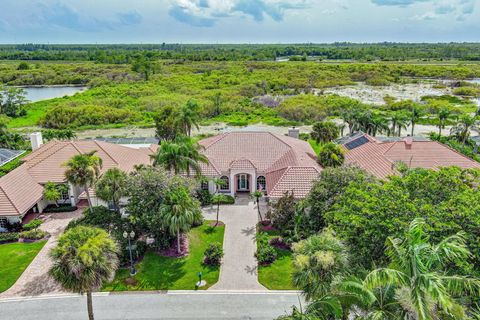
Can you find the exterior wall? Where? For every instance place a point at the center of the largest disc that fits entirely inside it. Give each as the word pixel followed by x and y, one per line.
pixel 74 192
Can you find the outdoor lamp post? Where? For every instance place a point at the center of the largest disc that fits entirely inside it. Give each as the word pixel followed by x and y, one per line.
pixel 129 236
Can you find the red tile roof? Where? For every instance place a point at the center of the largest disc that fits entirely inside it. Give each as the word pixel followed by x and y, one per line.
pixel 379 158
pixel 22 188
pixel 287 163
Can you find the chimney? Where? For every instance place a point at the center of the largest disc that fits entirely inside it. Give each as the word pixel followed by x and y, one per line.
pixel 408 142
pixel 36 140
pixel 294 133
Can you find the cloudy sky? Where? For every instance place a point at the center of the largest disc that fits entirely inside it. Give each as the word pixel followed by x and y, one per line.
pixel 238 21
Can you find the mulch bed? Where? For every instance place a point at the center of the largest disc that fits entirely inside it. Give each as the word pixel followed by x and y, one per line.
pixel 131 281
pixel 212 224
pixel 268 227
pixel 172 251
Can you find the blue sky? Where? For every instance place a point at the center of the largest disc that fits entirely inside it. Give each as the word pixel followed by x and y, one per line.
pixel 238 21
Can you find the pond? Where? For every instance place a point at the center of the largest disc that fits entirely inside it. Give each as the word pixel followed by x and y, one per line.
pixel 34 94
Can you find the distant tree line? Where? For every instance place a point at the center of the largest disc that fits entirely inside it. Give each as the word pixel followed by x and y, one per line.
pixel 126 53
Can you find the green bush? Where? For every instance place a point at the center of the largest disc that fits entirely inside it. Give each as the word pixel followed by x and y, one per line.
pixel 8 237
pixel 61 208
pixel 34 224
pixel 227 199
pixel 213 254
pixel 35 234
pixel 100 216
pixel 266 254
pixel 204 196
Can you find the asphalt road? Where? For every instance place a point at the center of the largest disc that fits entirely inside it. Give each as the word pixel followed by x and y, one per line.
pixel 172 305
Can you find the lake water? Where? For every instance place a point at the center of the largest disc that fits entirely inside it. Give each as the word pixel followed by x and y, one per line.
pixel 44 93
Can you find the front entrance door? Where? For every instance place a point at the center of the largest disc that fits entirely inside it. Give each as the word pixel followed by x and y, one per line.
pixel 243 182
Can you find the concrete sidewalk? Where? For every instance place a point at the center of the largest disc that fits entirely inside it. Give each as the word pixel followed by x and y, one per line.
pixel 239 266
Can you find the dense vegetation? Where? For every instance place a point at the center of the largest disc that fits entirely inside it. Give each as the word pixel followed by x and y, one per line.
pixel 123 53
pixel 237 93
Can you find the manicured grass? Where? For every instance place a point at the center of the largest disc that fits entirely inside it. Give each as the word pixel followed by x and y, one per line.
pixel 14 259
pixel 278 275
pixel 156 272
pixel 315 146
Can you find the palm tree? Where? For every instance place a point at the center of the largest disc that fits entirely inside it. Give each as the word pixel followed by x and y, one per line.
pixel 331 155
pixel 317 261
pixel 379 125
pixel 112 187
pixel 417 271
pixel 443 115
pixel 324 131
pixel 326 307
pixel 415 115
pixel 178 211
pixel 83 259
pixel 181 155
pixel 83 170
pixel 360 301
pixel 189 117
pixel 51 192
pixel 257 195
pixel 462 129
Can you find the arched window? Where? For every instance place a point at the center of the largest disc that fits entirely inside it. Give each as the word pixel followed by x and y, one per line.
pixel 226 183
pixel 261 183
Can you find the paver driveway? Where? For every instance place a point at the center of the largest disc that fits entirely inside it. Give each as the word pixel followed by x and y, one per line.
pixel 35 279
pixel 239 267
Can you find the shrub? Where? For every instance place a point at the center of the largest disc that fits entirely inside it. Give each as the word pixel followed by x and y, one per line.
pixel 331 155
pixel 197 219
pixel 34 224
pixel 14 227
pixel 279 242
pixel 8 237
pixel 62 208
pixel 204 196
pixel 100 217
pixel 283 213
pixel 213 254
pixel 266 254
pixel 35 234
pixel 227 199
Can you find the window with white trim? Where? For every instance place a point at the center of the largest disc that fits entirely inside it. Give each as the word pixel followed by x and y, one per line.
pixel 261 183
pixel 226 183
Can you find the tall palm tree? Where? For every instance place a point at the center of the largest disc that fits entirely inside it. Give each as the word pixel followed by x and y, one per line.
pixel 324 308
pixel 317 261
pixel 415 115
pixel 83 170
pixel 181 155
pixel 417 271
pixel 83 259
pixel 443 115
pixel 189 117
pixel 462 129
pixel 178 211
pixel 112 187
pixel 257 195
pixel 379 125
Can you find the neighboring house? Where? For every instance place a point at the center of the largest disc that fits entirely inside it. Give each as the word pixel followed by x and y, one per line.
pixel 380 157
pixel 21 191
pixel 249 161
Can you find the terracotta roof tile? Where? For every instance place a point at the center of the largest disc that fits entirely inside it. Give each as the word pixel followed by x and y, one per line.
pixel 267 153
pixel 379 158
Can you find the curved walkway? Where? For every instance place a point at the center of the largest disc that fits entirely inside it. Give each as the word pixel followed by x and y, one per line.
pixel 35 280
pixel 239 268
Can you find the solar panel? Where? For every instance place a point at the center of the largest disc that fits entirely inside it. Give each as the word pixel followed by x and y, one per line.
pixel 356 143
pixel 7 155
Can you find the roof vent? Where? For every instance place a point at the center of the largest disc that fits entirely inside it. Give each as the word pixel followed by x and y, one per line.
pixel 36 140
pixel 294 133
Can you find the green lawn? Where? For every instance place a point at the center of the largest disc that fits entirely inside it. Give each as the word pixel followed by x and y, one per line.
pixel 315 146
pixel 278 275
pixel 156 272
pixel 14 259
